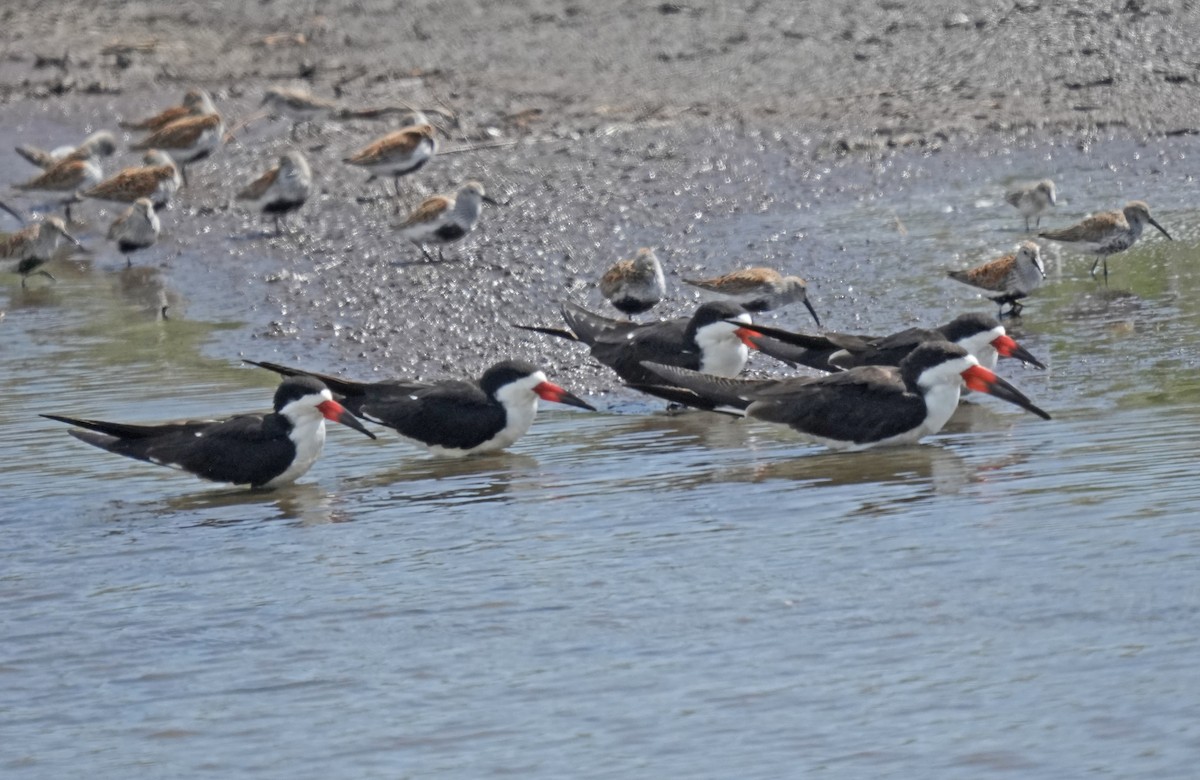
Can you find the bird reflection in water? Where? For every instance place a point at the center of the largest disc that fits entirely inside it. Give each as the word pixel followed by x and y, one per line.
pixel 453 481
pixel 302 504
pixel 146 289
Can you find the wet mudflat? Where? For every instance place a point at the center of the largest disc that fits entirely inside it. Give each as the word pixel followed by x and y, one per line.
pixel 624 594
pixel 627 593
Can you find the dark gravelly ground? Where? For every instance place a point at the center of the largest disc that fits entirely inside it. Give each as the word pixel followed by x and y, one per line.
pixel 669 124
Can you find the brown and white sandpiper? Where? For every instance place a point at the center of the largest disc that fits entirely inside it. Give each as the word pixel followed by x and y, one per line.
pixel 1014 276
pixel 1107 233
pixel 634 285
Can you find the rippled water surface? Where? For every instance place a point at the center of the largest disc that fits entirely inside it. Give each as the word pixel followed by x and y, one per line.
pixel 631 594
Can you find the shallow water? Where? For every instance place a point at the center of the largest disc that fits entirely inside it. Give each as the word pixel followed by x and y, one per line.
pixel 631 594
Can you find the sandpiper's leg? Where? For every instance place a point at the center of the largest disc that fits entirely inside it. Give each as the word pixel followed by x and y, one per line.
pixel 425 252
pixel 1026 224
pixel 183 174
pixel 396 179
pixel 1098 259
pixel 278 229
pixel 39 272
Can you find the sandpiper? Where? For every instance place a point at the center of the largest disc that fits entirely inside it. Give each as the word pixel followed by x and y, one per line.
pixel 1108 232
pixel 188 139
pixel 70 175
pixel 135 229
pixel 98 144
pixel 282 189
pixel 1014 276
pixel 1033 200
pixel 32 246
pixel 441 219
pixel 398 153
pixel 759 289
pixel 196 102
pixel 298 105
pixel 634 285
pixel 157 180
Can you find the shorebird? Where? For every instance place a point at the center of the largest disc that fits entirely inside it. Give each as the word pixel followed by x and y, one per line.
pixel 450 417
pixel 137 228
pixel 251 449
pixel 35 244
pixel 759 289
pixel 1108 232
pixel 282 189
pixel 635 285
pixel 189 138
pixel 298 105
pixel 980 334
pixel 1014 276
pixel 98 144
pixel 442 219
pixel 158 179
pixel 69 175
pixel 869 406
pixel 711 340
pixel 196 102
pixel 1033 200
pixel 398 153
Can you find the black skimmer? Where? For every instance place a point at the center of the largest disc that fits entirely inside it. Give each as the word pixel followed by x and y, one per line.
pixel 868 406
pixel 251 449
pixel 634 285
pixel 980 334
pixel 1108 232
pixel 1014 276
pixel 759 289
pixel 451 417
pixel 711 340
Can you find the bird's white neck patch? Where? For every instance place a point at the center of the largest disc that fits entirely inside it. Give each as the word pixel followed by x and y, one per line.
pixel 308 434
pixel 722 353
pixel 940 402
pixel 980 345
pixel 520 405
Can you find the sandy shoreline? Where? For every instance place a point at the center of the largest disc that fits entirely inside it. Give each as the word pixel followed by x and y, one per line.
pixel 634 124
